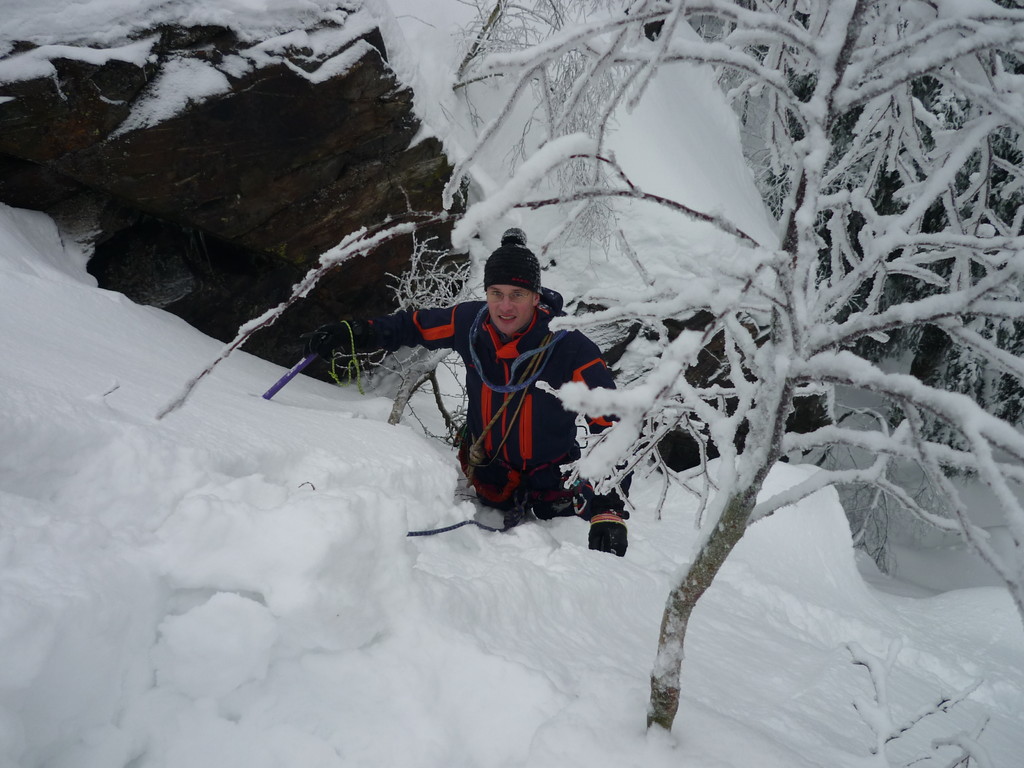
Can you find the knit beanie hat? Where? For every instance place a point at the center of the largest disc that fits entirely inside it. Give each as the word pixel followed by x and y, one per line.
pixel 513 263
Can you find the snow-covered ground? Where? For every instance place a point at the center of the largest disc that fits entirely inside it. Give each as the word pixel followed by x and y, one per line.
pixel 232 585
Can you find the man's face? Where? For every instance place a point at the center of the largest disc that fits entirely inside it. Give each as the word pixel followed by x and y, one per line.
pixel 511 308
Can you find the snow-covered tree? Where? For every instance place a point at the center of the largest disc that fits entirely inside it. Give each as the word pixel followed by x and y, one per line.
pixel 433 279
pixel 893 133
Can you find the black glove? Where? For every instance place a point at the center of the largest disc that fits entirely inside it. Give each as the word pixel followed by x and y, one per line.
pixel 608 533
pixel 350 337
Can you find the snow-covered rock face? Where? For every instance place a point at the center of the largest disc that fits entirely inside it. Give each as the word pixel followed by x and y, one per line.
pixel 213 169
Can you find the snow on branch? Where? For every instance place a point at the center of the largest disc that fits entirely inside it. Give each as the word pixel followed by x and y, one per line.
pixel 631 190
pixel 1006 362
pixel 357 243
pixel 527 177
pixel 877 712
pixel 880 70
pixel 931 309
pixel 849 369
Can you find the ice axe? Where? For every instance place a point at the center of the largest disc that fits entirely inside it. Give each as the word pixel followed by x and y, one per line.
pixel 295 369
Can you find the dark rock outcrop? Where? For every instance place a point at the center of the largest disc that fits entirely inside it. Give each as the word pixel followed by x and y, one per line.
pixel 215 208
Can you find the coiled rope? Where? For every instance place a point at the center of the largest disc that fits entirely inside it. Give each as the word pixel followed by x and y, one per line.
pixel 352 368
pixel 506 389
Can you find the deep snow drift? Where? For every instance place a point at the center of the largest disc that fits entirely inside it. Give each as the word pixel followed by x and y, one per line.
pixel 232 585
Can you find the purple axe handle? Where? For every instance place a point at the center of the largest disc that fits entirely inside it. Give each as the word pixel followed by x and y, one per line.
pixel 289 376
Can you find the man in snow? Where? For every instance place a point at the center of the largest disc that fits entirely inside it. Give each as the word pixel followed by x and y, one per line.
pixel 519 438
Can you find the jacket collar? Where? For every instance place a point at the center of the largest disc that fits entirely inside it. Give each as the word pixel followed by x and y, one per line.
pixel 508 348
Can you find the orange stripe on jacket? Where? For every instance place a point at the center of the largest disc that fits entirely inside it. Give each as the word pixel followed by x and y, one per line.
pixel 435 334
pixel 577 375
pixel 599 422
pixel 526 428
pixel 485 411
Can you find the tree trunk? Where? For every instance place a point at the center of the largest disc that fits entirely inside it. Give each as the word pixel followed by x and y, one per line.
pixel 418 372
pixel 683 599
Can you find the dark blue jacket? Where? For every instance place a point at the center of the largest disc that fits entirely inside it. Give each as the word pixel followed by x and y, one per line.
pixel 544 430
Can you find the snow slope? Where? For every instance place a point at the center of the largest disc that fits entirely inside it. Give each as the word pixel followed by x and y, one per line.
pixel 232 585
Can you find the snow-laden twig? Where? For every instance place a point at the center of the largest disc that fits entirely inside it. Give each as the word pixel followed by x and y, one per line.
pixel 356 244
pixel 972 754
pixel 526 179
pixel 877 712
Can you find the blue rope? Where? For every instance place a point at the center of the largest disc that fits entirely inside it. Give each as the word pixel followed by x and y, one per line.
pixel 513 517
pixel 433 531
pixel 474 332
